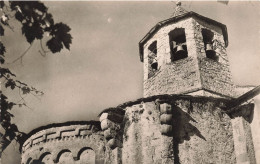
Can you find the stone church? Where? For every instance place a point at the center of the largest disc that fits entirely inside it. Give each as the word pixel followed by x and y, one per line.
pixel 191 111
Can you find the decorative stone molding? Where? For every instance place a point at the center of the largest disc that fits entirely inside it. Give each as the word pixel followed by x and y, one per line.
pixel 166 118
pixel 60 133
pixel 72 138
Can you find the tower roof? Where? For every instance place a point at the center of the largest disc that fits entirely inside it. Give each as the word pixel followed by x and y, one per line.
pixel 180 14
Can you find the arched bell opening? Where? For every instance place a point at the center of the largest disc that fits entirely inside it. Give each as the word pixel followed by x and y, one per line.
pixel 208 44
pixel 178 45
pixel 152 59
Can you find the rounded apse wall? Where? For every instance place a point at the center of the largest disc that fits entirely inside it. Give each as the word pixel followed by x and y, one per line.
pixel 70 142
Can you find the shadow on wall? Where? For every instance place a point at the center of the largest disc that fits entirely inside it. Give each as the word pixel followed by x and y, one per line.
pixel 183 130
pixel 246 111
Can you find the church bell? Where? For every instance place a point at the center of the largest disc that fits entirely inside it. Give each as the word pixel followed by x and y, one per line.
pixel 180 51
pixel 209 51
pixel 154 64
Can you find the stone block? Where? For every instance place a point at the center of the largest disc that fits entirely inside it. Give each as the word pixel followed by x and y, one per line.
pixel 113 143
pixel 109 133
pixel 166 129
pixel 166 119
pixel 111 116
pixel 105 124
pixel 165 108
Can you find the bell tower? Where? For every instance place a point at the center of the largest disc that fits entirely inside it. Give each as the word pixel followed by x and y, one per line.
pixel 186 54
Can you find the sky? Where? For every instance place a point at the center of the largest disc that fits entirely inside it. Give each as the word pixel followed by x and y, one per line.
pixel 103 68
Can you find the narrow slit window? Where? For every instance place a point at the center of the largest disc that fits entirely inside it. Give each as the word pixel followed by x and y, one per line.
pixel 178 45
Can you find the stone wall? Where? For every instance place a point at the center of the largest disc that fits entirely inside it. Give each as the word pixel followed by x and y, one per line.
pixel 178 129
pixel 255 126
pixel 159 129
pixel 197 72
pixel 174 78
pixel 215 75
pixel 245 146
pixel 66 144
pixel 142 138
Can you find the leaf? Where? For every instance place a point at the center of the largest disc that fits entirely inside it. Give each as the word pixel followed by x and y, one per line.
pixel 5 71
pixel 36 5
pixel 2 4
pixel 10 106
pixel 10 114
pixel 2 49
pixel 19 16
pixel 25 90
pixel 13 128
pixel 21 137
pixel 11 134
pixel 10 83
pixel 49 18
pixel 3 97
pixel 1 30
pixel 26 30
pixel 67 40
pixel 18 9
pixel 6 121
pixel 2 60
pixel 4 19
pixel 61 36
pixel 54 44
pixel 32 31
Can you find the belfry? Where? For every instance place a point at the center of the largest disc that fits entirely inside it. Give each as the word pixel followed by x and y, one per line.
pixel 190 50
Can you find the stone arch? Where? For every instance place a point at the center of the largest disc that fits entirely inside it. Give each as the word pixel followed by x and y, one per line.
pixel 87 155
pixel 208 44
pixel 29 160
pixel 66 153
pixel 43 155
pixel 177 43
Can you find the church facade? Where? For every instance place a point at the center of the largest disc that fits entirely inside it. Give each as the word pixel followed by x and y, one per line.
pixel 191 111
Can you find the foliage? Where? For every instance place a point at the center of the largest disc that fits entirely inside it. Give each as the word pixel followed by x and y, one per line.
pixel 36 21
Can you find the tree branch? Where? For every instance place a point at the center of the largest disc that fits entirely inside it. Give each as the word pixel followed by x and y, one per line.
pixel 43 50
pixel 22 55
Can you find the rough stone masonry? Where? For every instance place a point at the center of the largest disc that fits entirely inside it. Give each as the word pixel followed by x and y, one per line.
pixel 191 113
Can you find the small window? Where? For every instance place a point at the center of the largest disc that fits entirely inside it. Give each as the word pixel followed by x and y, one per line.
pixel 178 45
pixel 208 41
pixel 152 59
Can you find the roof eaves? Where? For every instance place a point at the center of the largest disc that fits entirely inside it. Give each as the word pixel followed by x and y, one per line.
pixel 56 125
pixel 175 19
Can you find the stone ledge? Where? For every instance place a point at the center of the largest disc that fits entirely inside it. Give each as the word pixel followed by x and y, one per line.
pixel 61 131
pixel 164 98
